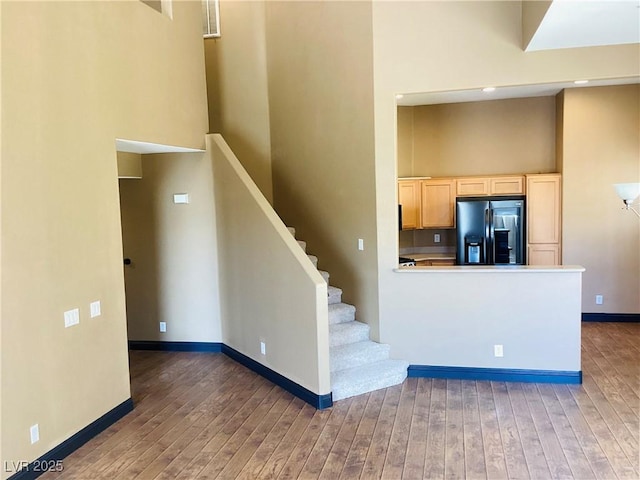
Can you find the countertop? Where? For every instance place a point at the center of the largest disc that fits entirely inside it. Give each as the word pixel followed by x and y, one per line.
pixel 420 256
pixel 502 269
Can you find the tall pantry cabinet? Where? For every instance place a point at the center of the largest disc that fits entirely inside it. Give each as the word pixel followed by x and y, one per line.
pixel 544 206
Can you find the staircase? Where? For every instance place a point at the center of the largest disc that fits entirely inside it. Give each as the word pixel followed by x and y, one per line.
pixel 358 365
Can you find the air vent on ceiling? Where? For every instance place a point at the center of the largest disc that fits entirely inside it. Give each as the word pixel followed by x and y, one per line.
pixel 211 18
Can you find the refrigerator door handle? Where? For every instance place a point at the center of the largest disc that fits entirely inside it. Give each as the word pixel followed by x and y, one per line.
pixel 487 237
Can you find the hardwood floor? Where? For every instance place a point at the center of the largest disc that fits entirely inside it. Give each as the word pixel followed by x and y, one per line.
pixel 205 416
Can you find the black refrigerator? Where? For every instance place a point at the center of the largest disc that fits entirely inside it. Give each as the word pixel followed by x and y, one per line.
pixel 490 230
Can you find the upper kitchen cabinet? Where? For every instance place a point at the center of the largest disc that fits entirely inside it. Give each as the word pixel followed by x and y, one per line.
pixel 472 186
pixel 437 201
pixel 409 199
pixel 512 185
pixel 544 204
pixel 495 185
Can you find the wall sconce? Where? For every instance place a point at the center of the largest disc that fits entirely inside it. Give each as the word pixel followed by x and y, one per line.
pixel 628 192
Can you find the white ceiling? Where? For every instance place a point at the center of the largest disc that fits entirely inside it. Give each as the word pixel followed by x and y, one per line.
pixel 566 24
pixel 133 146
pixel 587 23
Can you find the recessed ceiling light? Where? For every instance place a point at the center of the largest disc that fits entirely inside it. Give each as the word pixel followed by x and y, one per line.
pixel 488 89
pixel 581 82
pixel 399 96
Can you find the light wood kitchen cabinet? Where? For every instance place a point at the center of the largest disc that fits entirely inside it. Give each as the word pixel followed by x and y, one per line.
pixel 544 205
pixel 437 201
pixel 543 254
pixel 480 186
pixel 506 185
pixel 472 186
pixel 409 198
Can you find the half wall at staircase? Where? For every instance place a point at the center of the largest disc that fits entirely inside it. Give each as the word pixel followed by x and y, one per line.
pixel 270 292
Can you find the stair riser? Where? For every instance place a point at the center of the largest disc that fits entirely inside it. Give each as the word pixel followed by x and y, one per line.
pixel 341 313
pixel 368 352
pixel 352 333
pixel 335 296
pixel 361 385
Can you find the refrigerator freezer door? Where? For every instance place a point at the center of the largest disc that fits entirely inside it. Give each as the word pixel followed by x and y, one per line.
pixel 472 247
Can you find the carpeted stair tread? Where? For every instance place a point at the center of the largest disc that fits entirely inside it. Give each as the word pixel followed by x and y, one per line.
pixel 334 294
pixel 367 378
pixel 341 313
pixel 356 354
pixel 358 365
pixel 325 275
pixel 349 332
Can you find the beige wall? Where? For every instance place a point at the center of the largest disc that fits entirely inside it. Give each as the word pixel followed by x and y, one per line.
pixel 533 313
pixel 76 76
pixel 237 88
pixel 533 12
pixel 439 46
pixel 405 141
pixel 173 276
pixel 322 133
pixel 602 147
pixel 129 165
pixel 483 138
pixel 256 249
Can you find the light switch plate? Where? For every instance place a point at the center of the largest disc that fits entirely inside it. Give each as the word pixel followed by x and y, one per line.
pixel 360 244
pixel 180 198
pixel 94 308
pixel 34 433
pixel 71 318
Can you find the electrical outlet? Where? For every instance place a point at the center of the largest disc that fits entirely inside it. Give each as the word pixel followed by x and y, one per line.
pixel 34 432
pixel 263 348
pixel 71 318
pixel 360 244
pixel 163 327
pixel 498 351
pixel 94 307
pixel 436 238
pixel 599 299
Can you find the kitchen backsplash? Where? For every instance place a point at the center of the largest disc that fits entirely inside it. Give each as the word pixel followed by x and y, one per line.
pixel 425 238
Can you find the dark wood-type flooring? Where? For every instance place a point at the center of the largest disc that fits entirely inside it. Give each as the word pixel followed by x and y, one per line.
pixel 205 416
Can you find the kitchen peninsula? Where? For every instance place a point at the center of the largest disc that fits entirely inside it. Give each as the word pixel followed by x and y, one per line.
pixel 504 322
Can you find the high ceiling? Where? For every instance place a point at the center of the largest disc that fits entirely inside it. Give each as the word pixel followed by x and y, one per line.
pixel 570 24
pixel 565 24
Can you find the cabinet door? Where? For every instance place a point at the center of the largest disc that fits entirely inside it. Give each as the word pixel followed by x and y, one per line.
pixel 409 198
pixel 506 185
pixel 437 203
pixel 543 208
pixel 472 186
pixel 544 254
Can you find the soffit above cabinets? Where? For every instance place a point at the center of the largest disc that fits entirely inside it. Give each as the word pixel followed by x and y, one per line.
pixel 500 93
